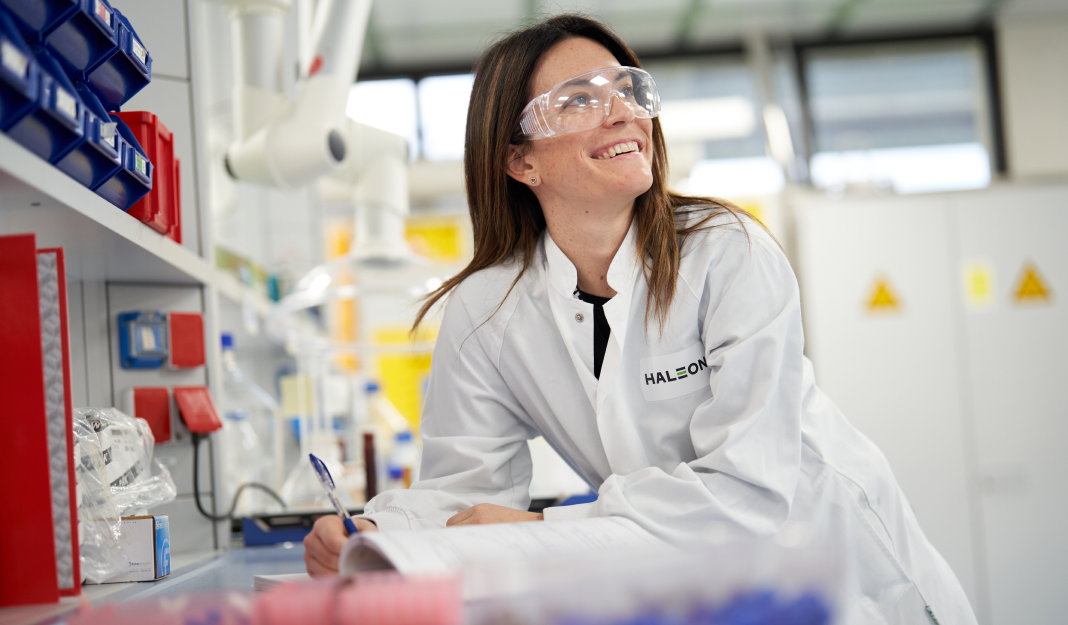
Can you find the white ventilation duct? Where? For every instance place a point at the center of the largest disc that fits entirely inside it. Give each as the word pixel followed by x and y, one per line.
pixel 277 144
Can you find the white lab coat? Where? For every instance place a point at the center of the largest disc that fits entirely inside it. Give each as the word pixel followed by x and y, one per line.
pixel 711 426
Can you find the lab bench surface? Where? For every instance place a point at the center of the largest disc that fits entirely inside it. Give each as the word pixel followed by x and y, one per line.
pixel 191 573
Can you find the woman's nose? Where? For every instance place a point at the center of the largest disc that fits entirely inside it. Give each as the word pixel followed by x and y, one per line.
pixel 618 110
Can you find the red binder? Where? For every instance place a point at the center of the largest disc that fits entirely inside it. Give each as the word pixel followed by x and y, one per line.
pixel 39 527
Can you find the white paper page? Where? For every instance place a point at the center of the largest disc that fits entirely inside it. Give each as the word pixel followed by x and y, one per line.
pixel 450 549
pixel 267 582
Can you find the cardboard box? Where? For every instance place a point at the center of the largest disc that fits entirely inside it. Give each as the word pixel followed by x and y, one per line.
pixel 146 548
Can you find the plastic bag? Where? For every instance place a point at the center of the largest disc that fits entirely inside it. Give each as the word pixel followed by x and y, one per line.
pixel 116 477
pixel 98 518
pixel 137 481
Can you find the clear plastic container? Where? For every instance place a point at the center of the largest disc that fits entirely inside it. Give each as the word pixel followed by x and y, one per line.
pixel 379 417
pixel 249 435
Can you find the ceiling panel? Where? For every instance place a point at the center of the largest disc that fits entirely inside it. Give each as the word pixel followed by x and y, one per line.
pixel 410 34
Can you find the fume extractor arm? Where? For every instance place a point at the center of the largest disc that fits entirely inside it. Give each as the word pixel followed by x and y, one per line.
pixel 374 179
pixel 276 144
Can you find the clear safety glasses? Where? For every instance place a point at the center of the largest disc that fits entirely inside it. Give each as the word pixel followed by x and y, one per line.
pixel 585 101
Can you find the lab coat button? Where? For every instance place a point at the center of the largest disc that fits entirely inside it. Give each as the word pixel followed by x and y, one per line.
pixel 579 317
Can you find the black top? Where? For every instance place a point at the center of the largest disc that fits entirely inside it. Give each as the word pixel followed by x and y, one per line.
pixel 601 329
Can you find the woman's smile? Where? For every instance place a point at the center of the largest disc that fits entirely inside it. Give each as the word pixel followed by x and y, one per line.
pixel 618 148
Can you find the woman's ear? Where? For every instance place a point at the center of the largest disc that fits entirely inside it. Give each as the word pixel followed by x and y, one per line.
pixel 519 165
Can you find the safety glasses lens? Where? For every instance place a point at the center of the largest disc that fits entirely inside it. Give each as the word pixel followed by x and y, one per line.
pixel 586 100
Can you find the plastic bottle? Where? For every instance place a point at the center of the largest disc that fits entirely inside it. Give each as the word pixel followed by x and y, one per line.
pixel 251 446
pixel 384 422
pixel 404 460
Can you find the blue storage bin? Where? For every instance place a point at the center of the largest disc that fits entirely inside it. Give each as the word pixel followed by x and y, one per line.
pixel 85 39
pixel 55 125
pixel 36 18
pixel 117 79
pixel 18 74
pixel 134 180
pixel 99 157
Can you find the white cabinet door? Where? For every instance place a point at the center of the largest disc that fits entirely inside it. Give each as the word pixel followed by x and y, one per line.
pixel 1017 381
pixel 894 370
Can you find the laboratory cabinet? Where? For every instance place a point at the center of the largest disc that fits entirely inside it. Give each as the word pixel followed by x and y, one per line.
pixel 936 324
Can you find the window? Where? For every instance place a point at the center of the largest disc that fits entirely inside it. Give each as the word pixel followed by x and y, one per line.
pixel 443 115
pixel 908 116
pixel 388 105
pixel 712 127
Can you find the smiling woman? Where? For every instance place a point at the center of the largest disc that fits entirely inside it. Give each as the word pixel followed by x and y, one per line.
pixel 654 340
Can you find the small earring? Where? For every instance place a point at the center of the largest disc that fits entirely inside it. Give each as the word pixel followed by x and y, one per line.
pixel 533 180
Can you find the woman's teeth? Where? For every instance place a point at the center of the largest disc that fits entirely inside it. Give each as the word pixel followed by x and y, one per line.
pixel 622 148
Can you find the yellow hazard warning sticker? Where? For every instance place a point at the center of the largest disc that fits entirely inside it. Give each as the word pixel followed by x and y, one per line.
pixel 978 284
pixel 882 297
pixel 1032 288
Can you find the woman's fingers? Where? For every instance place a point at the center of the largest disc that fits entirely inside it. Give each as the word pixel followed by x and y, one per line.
pixel 490 513
pixel 323 545
pixel 317 567
pixel 460 517
pixel 365 525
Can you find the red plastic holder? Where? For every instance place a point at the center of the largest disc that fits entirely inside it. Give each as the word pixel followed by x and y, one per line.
pixel 187 340
pixel 197 410
pixel 161 209
pixel 153 404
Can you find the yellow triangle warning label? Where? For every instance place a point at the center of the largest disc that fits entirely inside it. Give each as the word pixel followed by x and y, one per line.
pixel 1032 288
pixel 882 297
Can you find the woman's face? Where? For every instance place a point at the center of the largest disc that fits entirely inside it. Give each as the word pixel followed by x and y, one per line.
pixel 569 167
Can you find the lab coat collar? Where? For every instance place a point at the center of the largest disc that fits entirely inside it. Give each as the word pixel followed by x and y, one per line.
pixel 563 276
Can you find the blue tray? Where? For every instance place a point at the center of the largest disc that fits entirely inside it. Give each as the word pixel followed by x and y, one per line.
pixel 36 18
pixel 99 157
pixel 128 71
pixel 56 124
pixel 18 74
pixel 86 39
pixel 134 180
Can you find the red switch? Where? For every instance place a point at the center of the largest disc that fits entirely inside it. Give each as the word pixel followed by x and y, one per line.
pixel 153 404
pixel 197 410
pixel 187 340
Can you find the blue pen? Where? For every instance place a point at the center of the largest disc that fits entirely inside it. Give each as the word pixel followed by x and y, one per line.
pixel 328 485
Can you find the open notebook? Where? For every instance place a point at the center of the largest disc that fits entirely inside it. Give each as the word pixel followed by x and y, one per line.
pixel 455 548
pixel 488 555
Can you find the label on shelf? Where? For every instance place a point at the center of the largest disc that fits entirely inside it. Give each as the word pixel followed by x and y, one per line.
pixel 13 59
pixel 139 51
pixel 108 132
pixel 66 104
pixel 103 13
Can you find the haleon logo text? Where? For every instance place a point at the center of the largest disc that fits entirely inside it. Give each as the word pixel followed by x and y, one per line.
pixel 680 373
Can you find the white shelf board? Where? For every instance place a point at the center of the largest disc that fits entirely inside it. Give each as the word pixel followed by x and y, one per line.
pixel 100 241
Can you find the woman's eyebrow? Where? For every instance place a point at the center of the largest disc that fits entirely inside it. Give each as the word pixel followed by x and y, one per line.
pixel 577 83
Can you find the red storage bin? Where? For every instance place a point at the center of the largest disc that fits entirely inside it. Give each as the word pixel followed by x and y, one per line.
pixel 161 209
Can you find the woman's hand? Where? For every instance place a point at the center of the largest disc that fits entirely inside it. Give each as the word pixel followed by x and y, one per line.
pixel 489 513
pixel 322 547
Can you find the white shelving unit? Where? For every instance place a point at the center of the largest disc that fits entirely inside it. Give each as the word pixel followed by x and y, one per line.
pixel 100 241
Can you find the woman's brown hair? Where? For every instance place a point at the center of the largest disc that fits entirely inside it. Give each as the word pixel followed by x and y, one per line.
pixel 505 215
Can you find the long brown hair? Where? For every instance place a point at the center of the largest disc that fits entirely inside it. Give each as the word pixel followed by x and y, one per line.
pixel 506 216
